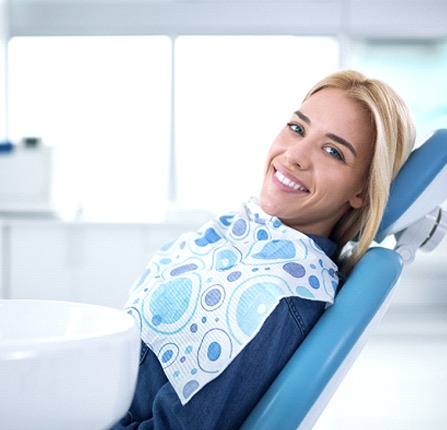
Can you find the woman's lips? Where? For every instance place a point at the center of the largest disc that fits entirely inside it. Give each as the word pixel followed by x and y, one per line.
pixel 293 185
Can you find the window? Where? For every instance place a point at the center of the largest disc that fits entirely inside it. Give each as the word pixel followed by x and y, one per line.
pixel 112 112
pixel 103 104
pixel 233 95
pixel 415 69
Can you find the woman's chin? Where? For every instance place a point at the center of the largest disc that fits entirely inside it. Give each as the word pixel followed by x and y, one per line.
pixel 269 206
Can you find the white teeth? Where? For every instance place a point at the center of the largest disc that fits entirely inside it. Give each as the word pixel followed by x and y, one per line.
pixel 288 182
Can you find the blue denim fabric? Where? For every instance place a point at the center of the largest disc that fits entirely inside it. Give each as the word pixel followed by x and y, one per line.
pixel 226 401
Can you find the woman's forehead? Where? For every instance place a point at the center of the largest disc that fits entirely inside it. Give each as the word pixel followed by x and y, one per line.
pixel 332 111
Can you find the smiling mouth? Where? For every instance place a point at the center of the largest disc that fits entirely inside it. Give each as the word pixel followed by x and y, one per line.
pixel 289 183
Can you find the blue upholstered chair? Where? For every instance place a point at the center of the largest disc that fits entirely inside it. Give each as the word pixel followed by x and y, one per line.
pixel 304 387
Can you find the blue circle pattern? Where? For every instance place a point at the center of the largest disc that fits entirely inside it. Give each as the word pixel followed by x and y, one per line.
pixel 204 296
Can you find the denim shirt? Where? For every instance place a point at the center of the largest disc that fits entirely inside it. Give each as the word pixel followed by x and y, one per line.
pixel 227 401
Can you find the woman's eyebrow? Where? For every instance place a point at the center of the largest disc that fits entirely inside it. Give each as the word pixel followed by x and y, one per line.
pixel 332 136
pixel 302 116
pixel 343 142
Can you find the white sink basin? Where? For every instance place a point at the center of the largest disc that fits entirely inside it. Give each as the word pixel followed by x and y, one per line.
pixel 65 365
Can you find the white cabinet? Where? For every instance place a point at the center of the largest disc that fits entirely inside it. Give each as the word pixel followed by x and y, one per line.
pixel 98 262
pixel 87 262
pixel 35 262
pixel 25 179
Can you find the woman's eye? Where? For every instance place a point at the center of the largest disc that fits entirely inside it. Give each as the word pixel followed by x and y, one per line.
pixel 296 128
pixel 333 152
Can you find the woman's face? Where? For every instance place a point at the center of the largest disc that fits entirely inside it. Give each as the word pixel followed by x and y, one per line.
pixel 318 165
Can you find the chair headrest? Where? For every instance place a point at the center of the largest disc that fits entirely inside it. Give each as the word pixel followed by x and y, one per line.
pixel 420 186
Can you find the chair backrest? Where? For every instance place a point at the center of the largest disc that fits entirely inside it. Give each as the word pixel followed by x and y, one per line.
pixel 420 186
pixel 305 385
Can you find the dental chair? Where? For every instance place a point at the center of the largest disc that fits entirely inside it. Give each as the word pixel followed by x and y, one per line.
pixel 306 384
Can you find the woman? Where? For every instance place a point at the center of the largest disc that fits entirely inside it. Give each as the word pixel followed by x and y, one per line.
pixel 393 134
pixel 263 276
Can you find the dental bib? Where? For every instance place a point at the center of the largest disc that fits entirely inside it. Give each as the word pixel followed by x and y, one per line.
pixel 205 296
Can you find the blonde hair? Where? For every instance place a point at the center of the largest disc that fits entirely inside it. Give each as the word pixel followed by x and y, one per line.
pixel 394 134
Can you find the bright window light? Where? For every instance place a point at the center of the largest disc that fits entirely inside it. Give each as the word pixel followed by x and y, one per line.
pixel 103 104
pixel 233 95
pixel 416 70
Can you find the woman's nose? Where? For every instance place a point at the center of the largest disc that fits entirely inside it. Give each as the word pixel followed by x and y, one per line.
pixel 299 153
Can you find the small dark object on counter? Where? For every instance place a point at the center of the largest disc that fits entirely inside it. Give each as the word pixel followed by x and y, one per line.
pixel 31 142
pixel 6 146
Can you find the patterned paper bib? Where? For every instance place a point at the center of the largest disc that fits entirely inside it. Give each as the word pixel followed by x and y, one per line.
pixel 204 296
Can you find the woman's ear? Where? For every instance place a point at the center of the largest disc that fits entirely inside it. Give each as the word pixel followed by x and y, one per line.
pixel 359 199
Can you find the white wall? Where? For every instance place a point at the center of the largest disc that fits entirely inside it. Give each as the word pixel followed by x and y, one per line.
pixel 4 35
pixel 413 19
